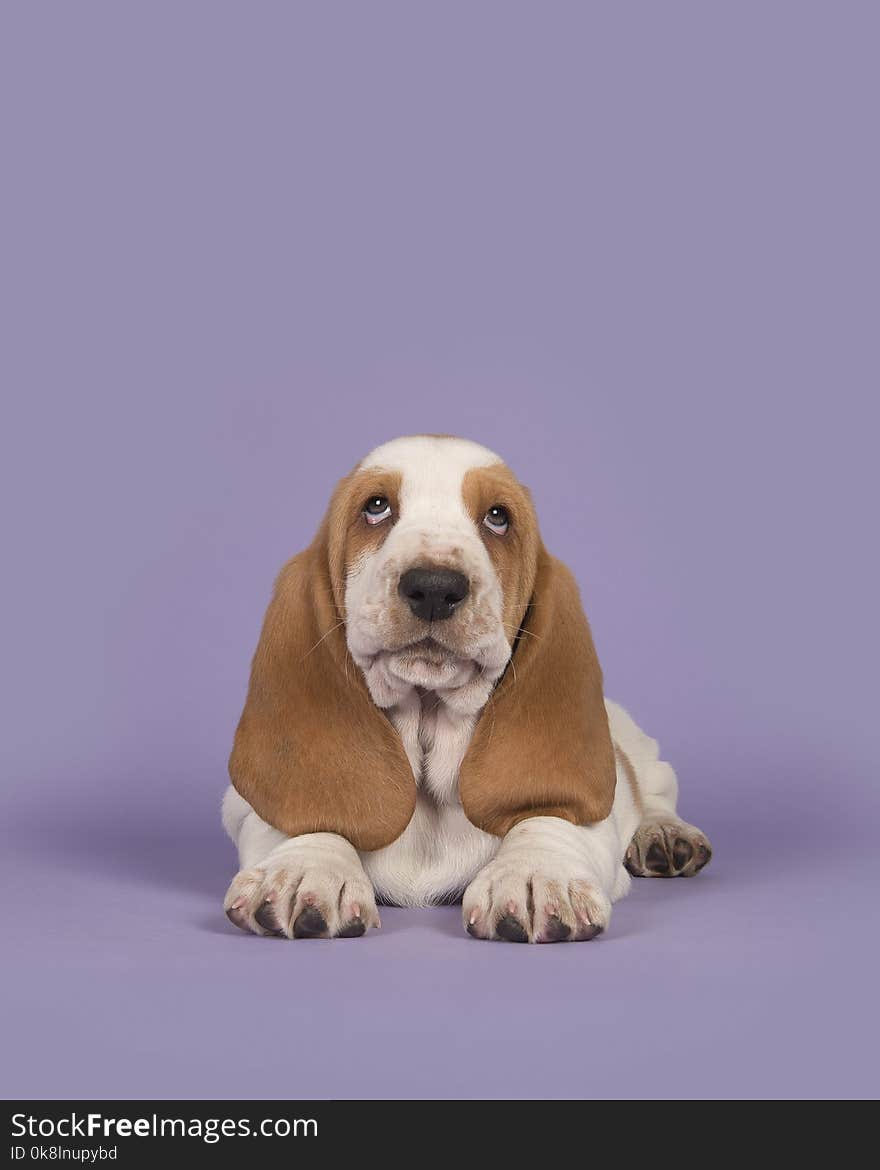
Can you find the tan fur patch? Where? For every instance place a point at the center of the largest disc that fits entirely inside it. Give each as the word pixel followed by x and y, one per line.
pixel 542 746
pixel 349 536
pixel 514 555
pixel 312 752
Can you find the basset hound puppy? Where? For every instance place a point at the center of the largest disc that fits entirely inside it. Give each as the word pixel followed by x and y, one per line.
pixel 426 723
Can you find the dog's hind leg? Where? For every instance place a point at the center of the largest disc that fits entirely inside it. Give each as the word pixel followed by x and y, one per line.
pixel 663 845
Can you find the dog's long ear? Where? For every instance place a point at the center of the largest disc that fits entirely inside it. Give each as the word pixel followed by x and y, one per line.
pixel 542 745
pixel 312 752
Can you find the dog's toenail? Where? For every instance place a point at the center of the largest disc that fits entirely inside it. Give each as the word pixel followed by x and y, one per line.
pixel 236 919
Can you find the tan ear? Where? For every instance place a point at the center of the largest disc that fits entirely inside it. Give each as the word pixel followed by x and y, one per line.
pixel 542 745
pixel 312 752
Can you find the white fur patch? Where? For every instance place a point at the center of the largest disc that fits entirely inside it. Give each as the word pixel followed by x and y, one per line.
pixel 432 526
pixel 440 850
pixel 433 703
pixel 430 465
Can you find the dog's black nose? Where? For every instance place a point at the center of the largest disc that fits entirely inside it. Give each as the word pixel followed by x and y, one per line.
pixel 433 594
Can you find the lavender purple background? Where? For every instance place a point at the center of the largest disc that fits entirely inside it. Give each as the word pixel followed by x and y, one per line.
pixel 632 247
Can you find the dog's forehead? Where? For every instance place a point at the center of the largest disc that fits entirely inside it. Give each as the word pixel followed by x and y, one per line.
pixel 431 467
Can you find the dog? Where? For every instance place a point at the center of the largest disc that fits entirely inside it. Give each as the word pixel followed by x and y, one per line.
pixel 426 723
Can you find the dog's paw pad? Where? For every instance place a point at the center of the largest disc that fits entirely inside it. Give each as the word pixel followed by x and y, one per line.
pixel 510 929
pixel 310 923
pixel 555 930
pixel 266 917
pixel 353 929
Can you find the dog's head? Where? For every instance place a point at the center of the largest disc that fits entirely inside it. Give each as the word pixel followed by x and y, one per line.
pixel 441 550
pixel 428 573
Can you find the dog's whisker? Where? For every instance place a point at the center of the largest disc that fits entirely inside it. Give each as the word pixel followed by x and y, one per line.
pixel 321 639
pixel 519 631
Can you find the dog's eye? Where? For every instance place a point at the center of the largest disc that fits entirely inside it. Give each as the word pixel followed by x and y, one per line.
pixel 497 520
pixel 377 509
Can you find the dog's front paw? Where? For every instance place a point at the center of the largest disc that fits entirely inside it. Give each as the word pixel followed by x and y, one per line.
pixel 302 900
pixel 543 904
